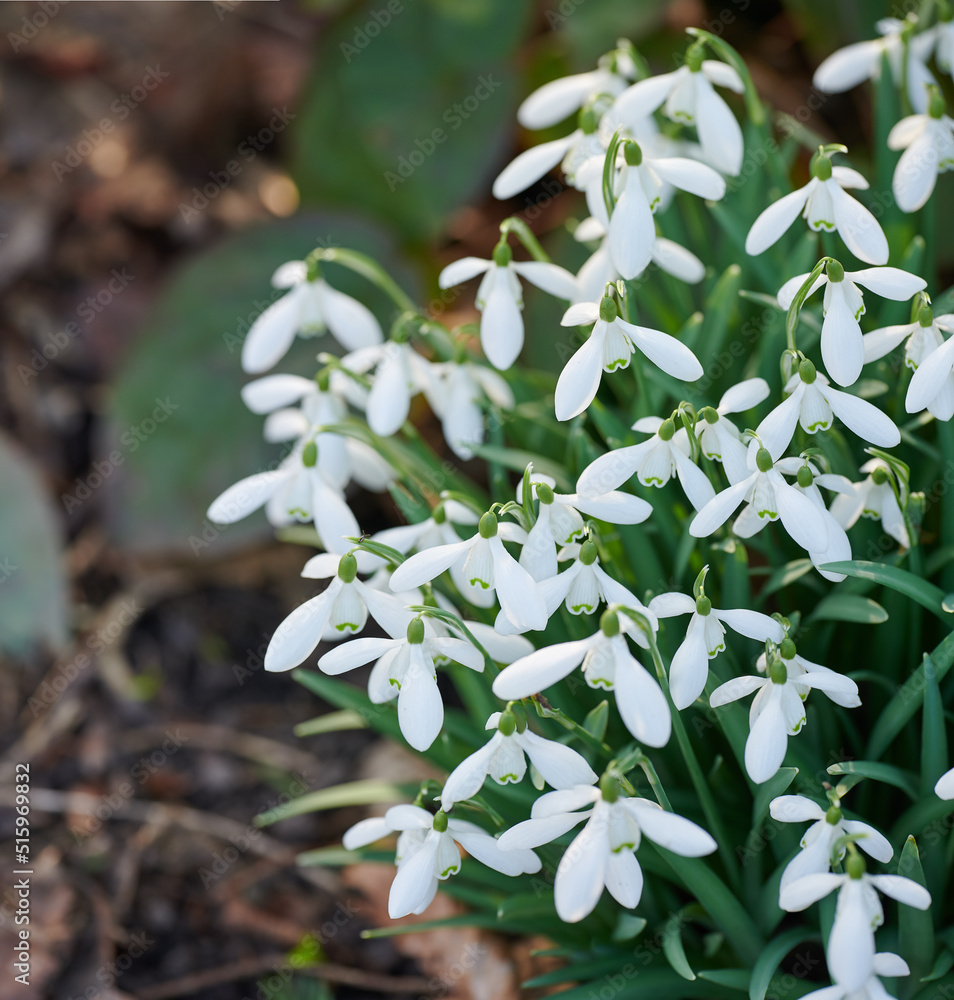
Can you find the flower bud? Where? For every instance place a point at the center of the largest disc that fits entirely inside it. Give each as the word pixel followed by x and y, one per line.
pixel 487 525
pixel 821 167
pixel 763 460
pixel 778 672
pixel 608 310
pixel 787 649
pixel 347 568
pixel 833 815
pixel 503 255
pixel 694 57
pixel 925 316
pixel 880 476
pixel 587 121
pixel 666 430
pixel 632 153
pixel 544 494
pixel 309 455
pixel 806 372
pixel 439 514
pixel 507 723
pixel 440 821
pixel 703 606
pixel 804 477
pixel 588 552
pixel 609 624
pixel 855 866
pixel 710 414
pixel 323 380
pixel 936 106
pixel 609 786
pixel 415 631
pixel 835 271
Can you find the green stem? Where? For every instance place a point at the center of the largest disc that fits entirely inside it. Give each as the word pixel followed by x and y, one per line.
pixel 523 233
pixel 368 268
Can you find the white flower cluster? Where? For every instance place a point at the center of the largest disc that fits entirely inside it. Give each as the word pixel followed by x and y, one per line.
pixel 543 551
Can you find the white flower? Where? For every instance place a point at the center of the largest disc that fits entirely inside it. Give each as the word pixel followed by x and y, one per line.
pixel 609 347
pixel 559 522
pixel 554 101
pixel 944 789
pixel 817 852
pixel 480 567
pixel 427 853
pixel 861 61
pixel 603 853
pixel 504 758
pixel 607 664
pixel 632 231
pixel 464 386
pixel 689 97
pixel 399 374
pixel 769 498
pixel 705 639
pixel 874 498
pixel 406 670
pixel 842 344
pixel 438 529
pixel 932 384
pixel 340 610
pixel 814 404
pixel 885 963
pixel 842 691
pixel 310 305
pixel 851 946
pixel 825 205
pixel 928 144
pixel 719 437
pixel 777 711
pixel 654 462
pixel 500 299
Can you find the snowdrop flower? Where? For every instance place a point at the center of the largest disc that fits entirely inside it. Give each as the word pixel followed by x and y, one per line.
pixel 427 853
pixel 769 498
pixel 842 344
pixel 554 101
pixel 817 852
pixel 851 946
pixel 500 299
pixel 405 669
pixel 826 206
pixel 504 758
pixel 705 639
pixel 654 462
pixel 559 522
pixel 842 691
pixel 874 498
pixel 438 529
pixel 928 144
pixel 609 347
pixel 340 610
pixel 399 374
pixel 463 387
pixel 481 567
pixel 777 711
pixel 607 664
pixel 312 304
pixel 602 855
pixel 885 963
pixel 298 490
pixel 632 231
pixel 687 96
pixel 944 789
pixel 861 61
pixel 719 437
pixel 932 384
pixel 814 404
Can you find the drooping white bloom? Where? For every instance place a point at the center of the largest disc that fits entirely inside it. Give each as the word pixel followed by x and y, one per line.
pixel 654 462
pixel 874 498
pixel 464 386
pixel 928 144
pixel 405 669
pixel 827 207
pixel 705 639
pixel 610 347
pixel 851 945
pixel 607 664
pixel 885 963
pixel 554 101
pixel 924 337
pixel 438 529
pixel 842 344
pixel 559 522
pixel 687 96
pixel 769 498
pixel 480 567
pixel 814 404
pixel 932 384
pixel 427 853
pixel 777 710
pixel 504 758
pixel 944 789
pixel 842 691
pixel 500 298
pixel 861 61
pixel 340 610
pixel 400 373
pixel 602 855
pixel 818 852
pixel 309 306
pixel 719 437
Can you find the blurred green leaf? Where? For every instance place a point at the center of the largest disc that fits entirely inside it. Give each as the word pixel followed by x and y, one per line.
pixel 916 928
pixel 848 608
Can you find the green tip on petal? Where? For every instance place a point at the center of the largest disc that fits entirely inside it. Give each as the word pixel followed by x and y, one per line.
pixel 763 460
pixel 309 455
pixel 805 477
pixel 835 271
pixel 608 310
pixel 347 568
pixel 609 624
pixel 544 494
pixel 507 723
pixel 415 631
pixel 666 430
pixel 609 786
pixel 703 606
pixel 833 815
pixel 503 255
pixel 588 553
pixel 632 153
pixel 440 821
pixel 487 525
pixel 807 372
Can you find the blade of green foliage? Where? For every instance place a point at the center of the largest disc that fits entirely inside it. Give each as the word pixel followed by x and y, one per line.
pixel 916 928
pixel 370 791
pixel 904 582
pixel 841 607
pixel 876 771
pixel 673 949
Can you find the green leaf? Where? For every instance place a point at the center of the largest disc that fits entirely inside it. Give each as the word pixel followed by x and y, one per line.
pixel 673 948
pixel 597 720
pixel 332 722
pixel 33 595
pixel 876 771
pixel 352 793
pixel 734 979
pixel 934 761
pixel 628 926
pixel 916 928
pixel 771 957
pixel 839 607
pixel 510 458
pixel 942 965
pixel 900 580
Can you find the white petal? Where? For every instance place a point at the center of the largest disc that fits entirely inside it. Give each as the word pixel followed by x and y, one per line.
pixel 463 270
pixel 501 325
pixel 916 174
pixel 872 842
pixel 352 323
pixel 801 518
pixel 795 809
pixel 675 833
pixel 632 232
pixel 665 351
pixel 851 945
pixel 848 178
pixel 642 705
pixel 613 507
pixel 608 471
pixel 641 99
pixel 889 282
pixel 767 742
pixel 857 226
pixel 552 278
pixel 390 399
pixel 880 342
pixel 539 831
pixel 420 708
pixel 296 637
pixel 468 777
pixel 842 345
pixel 671 604
pixel 904 890
pixel 353 654
pixel 530 166
pixel 719 509
pixel 887 964
pixel 517 591
pixel 771 225
pixel 694 481
pixel 581 314
pixel 580 379
pixel 407 817
pixel 719 132
pixel 487 850
pixel 944 789
pixel 863 419
pixel 848 67
pixel 367 831
pixel 272 332
pixel 689 669
pixel 925 385
pixel 333 518
pixel 245 496
pixel 275 391
pixel 624 878
pixel 550 104
pixel 691 175
pixel 808 890
pixel 540 669
pixel 560 766
pixel 723 75
pixel 580 875
pixel 678 261
pixel 413 882
pixel 787 292
pixel 425 566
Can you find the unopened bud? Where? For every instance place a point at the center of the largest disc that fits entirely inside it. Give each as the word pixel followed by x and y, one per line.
pixel 415 631
pixel 804 478
pixel 632 153
pixel 440 822
pixel 347 568
pixel 608 310
pixel 609 786
pixel 835 271
pixel 763 460
pixel 806 372
pixel 609 624
pixel 503 255
pixel 487 525
pixel 703 606
pixel 588 552
pixel 507 723
pixel 787 649
pixel 544 494
pixel 666 430
pixel 309 455
pixel 925 316
pixel 821 167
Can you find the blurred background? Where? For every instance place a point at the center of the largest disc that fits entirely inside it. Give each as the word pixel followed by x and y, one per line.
pixel 157 162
